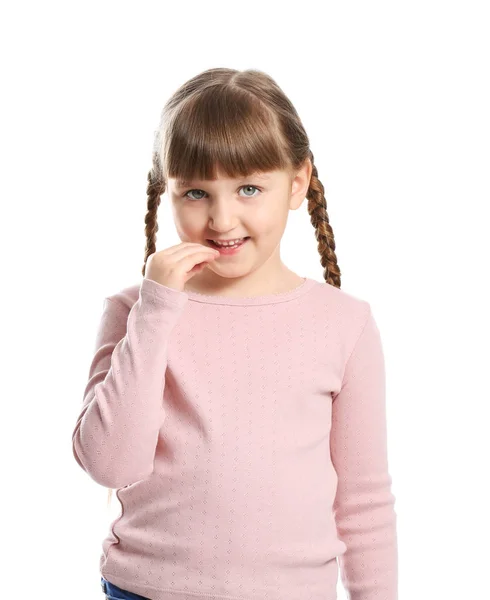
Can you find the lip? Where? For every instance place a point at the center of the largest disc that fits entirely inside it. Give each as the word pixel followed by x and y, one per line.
pixel 229 251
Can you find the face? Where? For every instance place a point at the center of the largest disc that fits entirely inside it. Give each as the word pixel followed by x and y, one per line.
pixel 255 207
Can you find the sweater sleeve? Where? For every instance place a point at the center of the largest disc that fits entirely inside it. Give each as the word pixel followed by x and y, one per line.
pixel 364 503
pixel 117 430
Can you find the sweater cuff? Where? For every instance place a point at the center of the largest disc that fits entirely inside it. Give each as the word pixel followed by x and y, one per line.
pixel 163 293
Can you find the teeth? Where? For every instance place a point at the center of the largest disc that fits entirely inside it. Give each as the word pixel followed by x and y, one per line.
pixel 232 243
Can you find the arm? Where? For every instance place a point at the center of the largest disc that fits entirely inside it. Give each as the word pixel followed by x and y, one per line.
pixel 364 504
pixel 117 430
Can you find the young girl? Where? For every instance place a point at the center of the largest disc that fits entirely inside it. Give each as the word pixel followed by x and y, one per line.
pixel 238 408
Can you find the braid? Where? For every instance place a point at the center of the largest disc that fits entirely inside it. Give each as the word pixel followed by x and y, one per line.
pixel 317 208
pixel 155 188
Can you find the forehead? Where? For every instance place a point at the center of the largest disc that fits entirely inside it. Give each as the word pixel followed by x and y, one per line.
pixel 257 176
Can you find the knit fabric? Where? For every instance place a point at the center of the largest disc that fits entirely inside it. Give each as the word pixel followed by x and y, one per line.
pixel 247 441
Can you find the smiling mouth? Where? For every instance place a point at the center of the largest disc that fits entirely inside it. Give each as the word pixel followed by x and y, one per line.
pixel 243 240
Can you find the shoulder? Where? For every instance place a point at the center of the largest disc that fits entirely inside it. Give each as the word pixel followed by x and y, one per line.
pixel 124 297
pixel 345 312
pixel 340 302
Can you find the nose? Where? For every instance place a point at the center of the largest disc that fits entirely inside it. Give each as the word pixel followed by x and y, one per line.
pixel 222 215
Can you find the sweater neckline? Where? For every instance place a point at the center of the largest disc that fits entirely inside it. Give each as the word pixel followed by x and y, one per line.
pixel 299 290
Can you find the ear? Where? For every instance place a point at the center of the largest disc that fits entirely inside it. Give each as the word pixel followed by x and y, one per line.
pixel 300 184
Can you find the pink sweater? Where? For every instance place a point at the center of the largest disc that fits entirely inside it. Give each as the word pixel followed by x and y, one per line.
pixel 247 441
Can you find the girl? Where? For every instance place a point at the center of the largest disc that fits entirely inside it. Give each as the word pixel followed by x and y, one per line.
pixel 238 408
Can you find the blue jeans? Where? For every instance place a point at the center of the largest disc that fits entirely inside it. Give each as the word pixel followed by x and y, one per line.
pixel 113 592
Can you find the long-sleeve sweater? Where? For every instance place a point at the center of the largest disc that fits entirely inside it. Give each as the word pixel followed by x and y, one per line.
pixel 246 438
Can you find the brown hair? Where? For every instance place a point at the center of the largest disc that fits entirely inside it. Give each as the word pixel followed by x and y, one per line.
pixel 240 122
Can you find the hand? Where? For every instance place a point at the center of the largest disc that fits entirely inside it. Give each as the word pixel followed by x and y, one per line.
pixel 174 266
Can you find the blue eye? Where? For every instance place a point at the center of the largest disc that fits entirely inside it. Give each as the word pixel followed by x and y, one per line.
pixel 186 195
pixel 251 186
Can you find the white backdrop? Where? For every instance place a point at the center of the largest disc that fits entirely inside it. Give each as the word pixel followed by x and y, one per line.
pixel 394 97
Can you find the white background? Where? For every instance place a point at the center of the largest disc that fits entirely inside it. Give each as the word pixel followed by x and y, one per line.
pixel 395 99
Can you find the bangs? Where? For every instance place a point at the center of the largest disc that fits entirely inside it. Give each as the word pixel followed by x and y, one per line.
pixel 229 133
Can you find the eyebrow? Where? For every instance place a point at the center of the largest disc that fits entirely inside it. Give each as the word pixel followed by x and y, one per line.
pixel 183 183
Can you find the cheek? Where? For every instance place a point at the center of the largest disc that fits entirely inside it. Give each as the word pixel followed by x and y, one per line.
pixel 188 222
pixel 270 222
